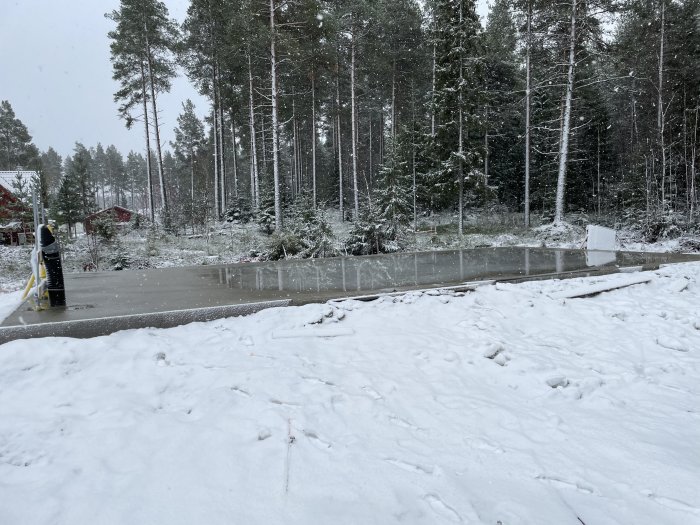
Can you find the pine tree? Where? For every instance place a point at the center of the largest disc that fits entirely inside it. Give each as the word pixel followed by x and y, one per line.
pixel 81 180
pixel 16 147
pixel 115 175
pixel 98 175
pixel 66 207
pixel 135 181
pixel 142 50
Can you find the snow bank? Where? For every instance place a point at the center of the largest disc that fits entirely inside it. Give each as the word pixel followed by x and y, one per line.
pixel 499 406
pixel 9 302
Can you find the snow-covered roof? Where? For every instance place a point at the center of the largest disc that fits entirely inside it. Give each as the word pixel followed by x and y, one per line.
pixel 114 207
pixel 7 178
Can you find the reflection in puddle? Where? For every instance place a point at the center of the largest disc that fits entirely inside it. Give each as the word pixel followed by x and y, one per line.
pixel 410 270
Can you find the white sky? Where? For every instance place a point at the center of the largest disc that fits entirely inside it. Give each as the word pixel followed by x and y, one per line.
pixel 55 72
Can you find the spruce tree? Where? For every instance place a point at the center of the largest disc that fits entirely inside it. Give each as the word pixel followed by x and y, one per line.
pixel 52 168
pixel 502 112
pixel 459 64
pixel 189 145
pixel 394 207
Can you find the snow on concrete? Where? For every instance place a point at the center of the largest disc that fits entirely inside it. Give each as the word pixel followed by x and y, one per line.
pixel 9 302
pixel 499 406
pixel 605 286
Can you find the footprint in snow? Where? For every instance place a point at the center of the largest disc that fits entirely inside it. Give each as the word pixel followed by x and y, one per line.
pixel 284 403
pixel 238 390
pixel 496 352
pixel 246 340
pixel 404 423
pixel 313 437
pixel 672 503
pixel 442 509
pixel 558 381
pixel 577 485
pixel 672 343
pixel 410 467
pixel 372 393
pixel 317 380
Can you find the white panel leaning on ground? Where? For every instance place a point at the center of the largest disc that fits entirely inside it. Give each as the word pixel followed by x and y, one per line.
pixel 600 238
pixel 600 243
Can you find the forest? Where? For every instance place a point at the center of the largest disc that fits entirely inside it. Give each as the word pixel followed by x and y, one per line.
pixel 390 110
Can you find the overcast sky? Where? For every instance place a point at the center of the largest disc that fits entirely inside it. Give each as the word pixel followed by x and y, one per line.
pixel 56 74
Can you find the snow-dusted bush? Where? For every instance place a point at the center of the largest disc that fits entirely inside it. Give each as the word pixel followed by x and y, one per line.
pixel 307 234
pixel 369 235
pixel 283 245
pixel 240 212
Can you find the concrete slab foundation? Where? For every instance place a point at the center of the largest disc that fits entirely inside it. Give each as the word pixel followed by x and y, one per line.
pixel 105 302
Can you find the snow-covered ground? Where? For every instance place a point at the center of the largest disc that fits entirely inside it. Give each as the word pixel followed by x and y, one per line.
pixel 9 302
pixel 505 405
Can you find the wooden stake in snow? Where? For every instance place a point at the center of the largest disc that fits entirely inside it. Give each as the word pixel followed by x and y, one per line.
pixel 290 441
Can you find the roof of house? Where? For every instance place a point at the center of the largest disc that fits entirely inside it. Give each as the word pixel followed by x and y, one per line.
pixel 7 178
pixel 115 207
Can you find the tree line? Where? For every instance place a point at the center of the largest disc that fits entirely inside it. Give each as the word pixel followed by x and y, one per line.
pixel 386 109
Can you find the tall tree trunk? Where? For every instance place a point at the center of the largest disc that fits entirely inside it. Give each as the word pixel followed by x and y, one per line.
pixel 661 121
pixel 486 150
pixel 413 153
pixel 300 161
pixel 566 122
pixel 528 94
pixel 313 134
pixel 156 127
pixel 144 97
pixel 693 153
pixel 340 148
pixel 295 152
pixel 598 174
pixel 275 145
pixel 215 134
pixel 393 101
pixel 192 186
pixel 460 149
pixel 254 178
pixel 222 147
pixel 234 149
pixel 432 93
pixel 354 125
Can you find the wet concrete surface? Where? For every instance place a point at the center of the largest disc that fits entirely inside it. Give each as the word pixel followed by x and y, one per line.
pixel 104 302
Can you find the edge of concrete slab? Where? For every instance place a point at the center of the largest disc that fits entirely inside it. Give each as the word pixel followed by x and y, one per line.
pixel 85 328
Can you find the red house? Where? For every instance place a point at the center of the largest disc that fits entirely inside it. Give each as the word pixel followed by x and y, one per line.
pixel 118 214
pixel 9 204
pixel 7 201
pixel 13 230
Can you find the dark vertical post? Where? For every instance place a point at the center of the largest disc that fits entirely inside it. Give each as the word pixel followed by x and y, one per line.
pixel 54 269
